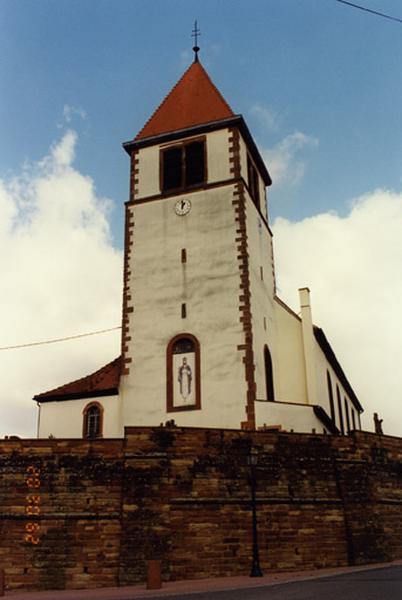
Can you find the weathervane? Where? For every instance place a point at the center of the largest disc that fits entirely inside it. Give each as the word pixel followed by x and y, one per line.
pixel 195 33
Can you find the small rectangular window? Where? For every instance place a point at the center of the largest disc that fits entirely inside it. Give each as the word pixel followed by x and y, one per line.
pixel 183 311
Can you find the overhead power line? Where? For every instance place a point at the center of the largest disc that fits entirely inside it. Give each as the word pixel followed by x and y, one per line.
pixel 64 339
pixel 369 10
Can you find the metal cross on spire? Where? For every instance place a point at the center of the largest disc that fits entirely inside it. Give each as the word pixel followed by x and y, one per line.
pixel 195 33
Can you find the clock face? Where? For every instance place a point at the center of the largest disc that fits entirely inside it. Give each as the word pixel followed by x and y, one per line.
pixel 182 207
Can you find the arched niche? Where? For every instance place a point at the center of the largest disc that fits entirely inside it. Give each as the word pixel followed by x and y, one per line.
pixel 183 373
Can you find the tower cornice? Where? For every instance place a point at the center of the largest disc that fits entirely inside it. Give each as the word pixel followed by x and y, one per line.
pixel 235 121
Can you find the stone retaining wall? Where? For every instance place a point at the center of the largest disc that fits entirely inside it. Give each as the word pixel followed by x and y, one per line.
pixel 76 513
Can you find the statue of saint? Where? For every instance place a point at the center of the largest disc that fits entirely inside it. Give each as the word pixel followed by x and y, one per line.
pixel 378 424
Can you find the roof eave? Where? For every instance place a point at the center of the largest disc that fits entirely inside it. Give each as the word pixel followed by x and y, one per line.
pixel 333 361
pixel 236 121
pixel 76 395
pixel 325 419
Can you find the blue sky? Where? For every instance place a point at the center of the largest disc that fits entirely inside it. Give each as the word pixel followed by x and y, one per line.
pixel 324 69
pixel 319 84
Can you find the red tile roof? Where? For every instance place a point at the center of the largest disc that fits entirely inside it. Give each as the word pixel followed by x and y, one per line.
pixel 194 100
pixel 103 382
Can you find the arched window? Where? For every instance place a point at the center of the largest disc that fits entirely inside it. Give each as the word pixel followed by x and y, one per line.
pixel 93 421
pixel 183 389
pixel 353 418
pixel 347 414
pixel 338 397
pixel 269 376
pixel 331 397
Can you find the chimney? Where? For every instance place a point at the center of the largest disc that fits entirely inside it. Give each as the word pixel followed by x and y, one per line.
pixel 308 345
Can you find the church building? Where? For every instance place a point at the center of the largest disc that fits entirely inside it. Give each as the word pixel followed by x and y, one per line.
pixel 206 341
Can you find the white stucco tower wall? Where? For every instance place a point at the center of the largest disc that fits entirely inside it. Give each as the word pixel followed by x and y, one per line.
pixel 207 283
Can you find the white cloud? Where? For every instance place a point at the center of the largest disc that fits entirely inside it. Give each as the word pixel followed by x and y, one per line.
pixel 62 153
pixel 353 268
pixel 8 210
pixel 283 162
pixel 61 276
pixel 69 112
pixel 266 116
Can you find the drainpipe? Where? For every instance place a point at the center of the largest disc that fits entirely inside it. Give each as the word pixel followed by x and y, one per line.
pixel 308 345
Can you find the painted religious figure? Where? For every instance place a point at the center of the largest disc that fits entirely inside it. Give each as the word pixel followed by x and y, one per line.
pixel 184 373
pixel 184 379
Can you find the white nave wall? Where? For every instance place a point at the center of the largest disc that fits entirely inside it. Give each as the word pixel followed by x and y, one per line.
pixel 64 419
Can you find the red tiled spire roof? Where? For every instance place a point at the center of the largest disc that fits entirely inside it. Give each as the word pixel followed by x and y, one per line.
pixel 102 382
pixel 194 100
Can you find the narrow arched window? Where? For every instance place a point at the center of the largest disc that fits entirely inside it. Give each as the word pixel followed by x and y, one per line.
pixel 338 397
pixel 347 414
pixel 353 418
pixel 331 397
pixel 269 376
pixel 183 389
pixel 93 420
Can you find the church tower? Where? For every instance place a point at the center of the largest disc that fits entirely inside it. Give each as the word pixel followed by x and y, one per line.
pixel 198 274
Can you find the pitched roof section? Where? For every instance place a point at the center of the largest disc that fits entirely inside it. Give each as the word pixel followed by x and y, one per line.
pixel 194 100
pixel 104 382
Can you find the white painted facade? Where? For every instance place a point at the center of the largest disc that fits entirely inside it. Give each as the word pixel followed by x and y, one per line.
pixel 289 365
pixel 208 283
pixel 296 417
pixel 64 419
